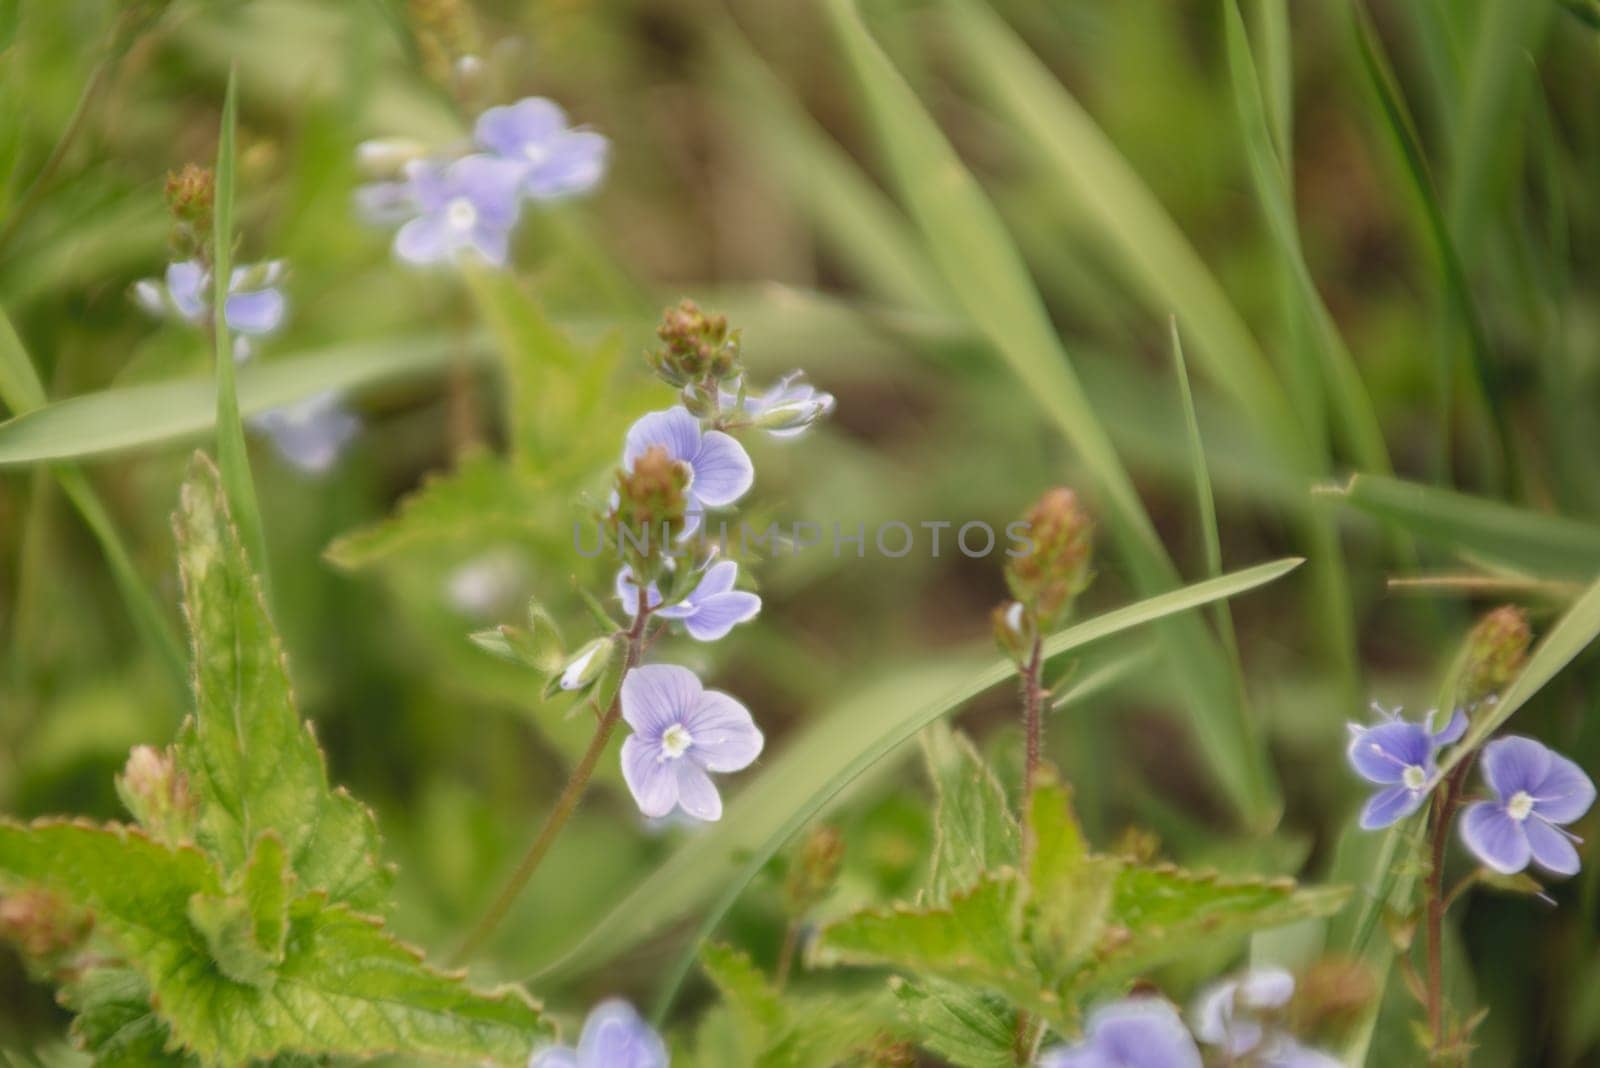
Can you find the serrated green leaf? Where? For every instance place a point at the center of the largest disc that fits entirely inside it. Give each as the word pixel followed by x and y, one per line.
pixel 969 1028
pixel 114 1023
pixel 254 766
pixel 245 930
pixel 974 830
pixel 1162 913
pixel 1069 891
pixel 345 987
pixel 743 986
pixel 481 495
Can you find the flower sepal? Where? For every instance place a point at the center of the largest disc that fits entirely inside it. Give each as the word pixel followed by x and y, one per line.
pixel 585 667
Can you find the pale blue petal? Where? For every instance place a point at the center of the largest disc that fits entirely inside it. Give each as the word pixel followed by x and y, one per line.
pixel 1381 754
pixel 186 285
pixel 1515 764
pixel 1452 731
pixel 656 696
pixel 650 779
pixel 673 429
pixel 1143 1033
pixel 424 240
pixel 1552 849
pixel 508 130
pixel 575 163
pixel 1390 805
pixel 712 618
pixel 1497 840
pixel 725 737
pixel 697 794
pixel 615 1037
pixel 555 1057
pixel 258 312
pixel 722 470
pixel 1565 793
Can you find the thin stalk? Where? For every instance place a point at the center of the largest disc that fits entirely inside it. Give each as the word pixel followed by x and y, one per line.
pixel 1032 705
pixel 791 943
pixel 565 805
pixel 1443 809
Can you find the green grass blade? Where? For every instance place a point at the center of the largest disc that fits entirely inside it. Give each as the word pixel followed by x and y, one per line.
pixel 21 391
pixel 233 457
pixel 178 411
pixel 1353 405
pixel 853 215
pixel 1205 499
pixel 1136 230
pixel 839 748
pixel 1530 542
pixel 985 272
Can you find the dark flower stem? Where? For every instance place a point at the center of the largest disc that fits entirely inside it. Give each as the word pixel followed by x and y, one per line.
pixel 1445 803
pixel 1027 1035
pixel 565 805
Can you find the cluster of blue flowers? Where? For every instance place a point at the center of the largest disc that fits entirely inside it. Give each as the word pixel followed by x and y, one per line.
pixel 309 434
pixel 470 204
pixel 1535 791
pixel 1240 1018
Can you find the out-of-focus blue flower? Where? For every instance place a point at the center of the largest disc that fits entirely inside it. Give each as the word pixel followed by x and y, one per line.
pixel 470 204
pixel 255 303
pixel 1138 1032
pixel 555 160
pixel 708 612
pixel 786 410
pixel 1399 755
pixel 1228 1014
pixel 310 434
pixel 720 471
pixel 1287 1053
pixel 681 733
pixel 613 1037
pixel 1536 792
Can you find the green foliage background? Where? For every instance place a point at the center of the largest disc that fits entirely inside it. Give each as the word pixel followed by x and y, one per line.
pixel 1372 224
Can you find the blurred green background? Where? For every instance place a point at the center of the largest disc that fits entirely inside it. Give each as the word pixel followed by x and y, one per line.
pixel 1375 231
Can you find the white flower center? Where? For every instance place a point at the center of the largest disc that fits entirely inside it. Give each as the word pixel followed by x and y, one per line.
pixel 461 214
pixel 675 741
pixel 535 153
pixel 1413 777
pixel 1520 807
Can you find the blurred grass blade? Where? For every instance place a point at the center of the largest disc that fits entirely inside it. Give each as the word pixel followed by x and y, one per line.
pixel 1531 542
pixel 836 750
pixel 1402 130
pixel 1205 499
pixel 866 227
pixel 21 391
pixel 1571 635
pixel 985 272
pixel 163 413
pixel 232 455
pixel 1353 405
pixel 1136 229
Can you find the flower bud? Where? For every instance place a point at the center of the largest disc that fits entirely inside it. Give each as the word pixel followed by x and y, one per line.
pixel 43 926
pixel 1056 567
pixel 445 32
pixel 1014 630
pixel 191 198
pixel 650 510
pixel 814 871
pixel 587 664
pixel 697 350
pixel 1496 650
pixel 156 792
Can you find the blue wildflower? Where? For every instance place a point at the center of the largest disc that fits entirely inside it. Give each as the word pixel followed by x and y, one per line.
pixel 310 434
pixel 255 303
pixel 470 204
pixel 720 471
pixel 613 1037
pixel 1139 1032
pixel 786 410
pixel 1242 1017
pixel 1536 792
pixel 555 160
pixel 1399 756
pixel 681 733
pixel 708 612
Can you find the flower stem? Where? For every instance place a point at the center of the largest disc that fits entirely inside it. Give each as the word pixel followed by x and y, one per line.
pixel 1444 806
pixel 565 804
pixel 1032 706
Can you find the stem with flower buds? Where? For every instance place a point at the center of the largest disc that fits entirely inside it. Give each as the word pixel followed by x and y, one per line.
pixel 1445 803
pixel 566 803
